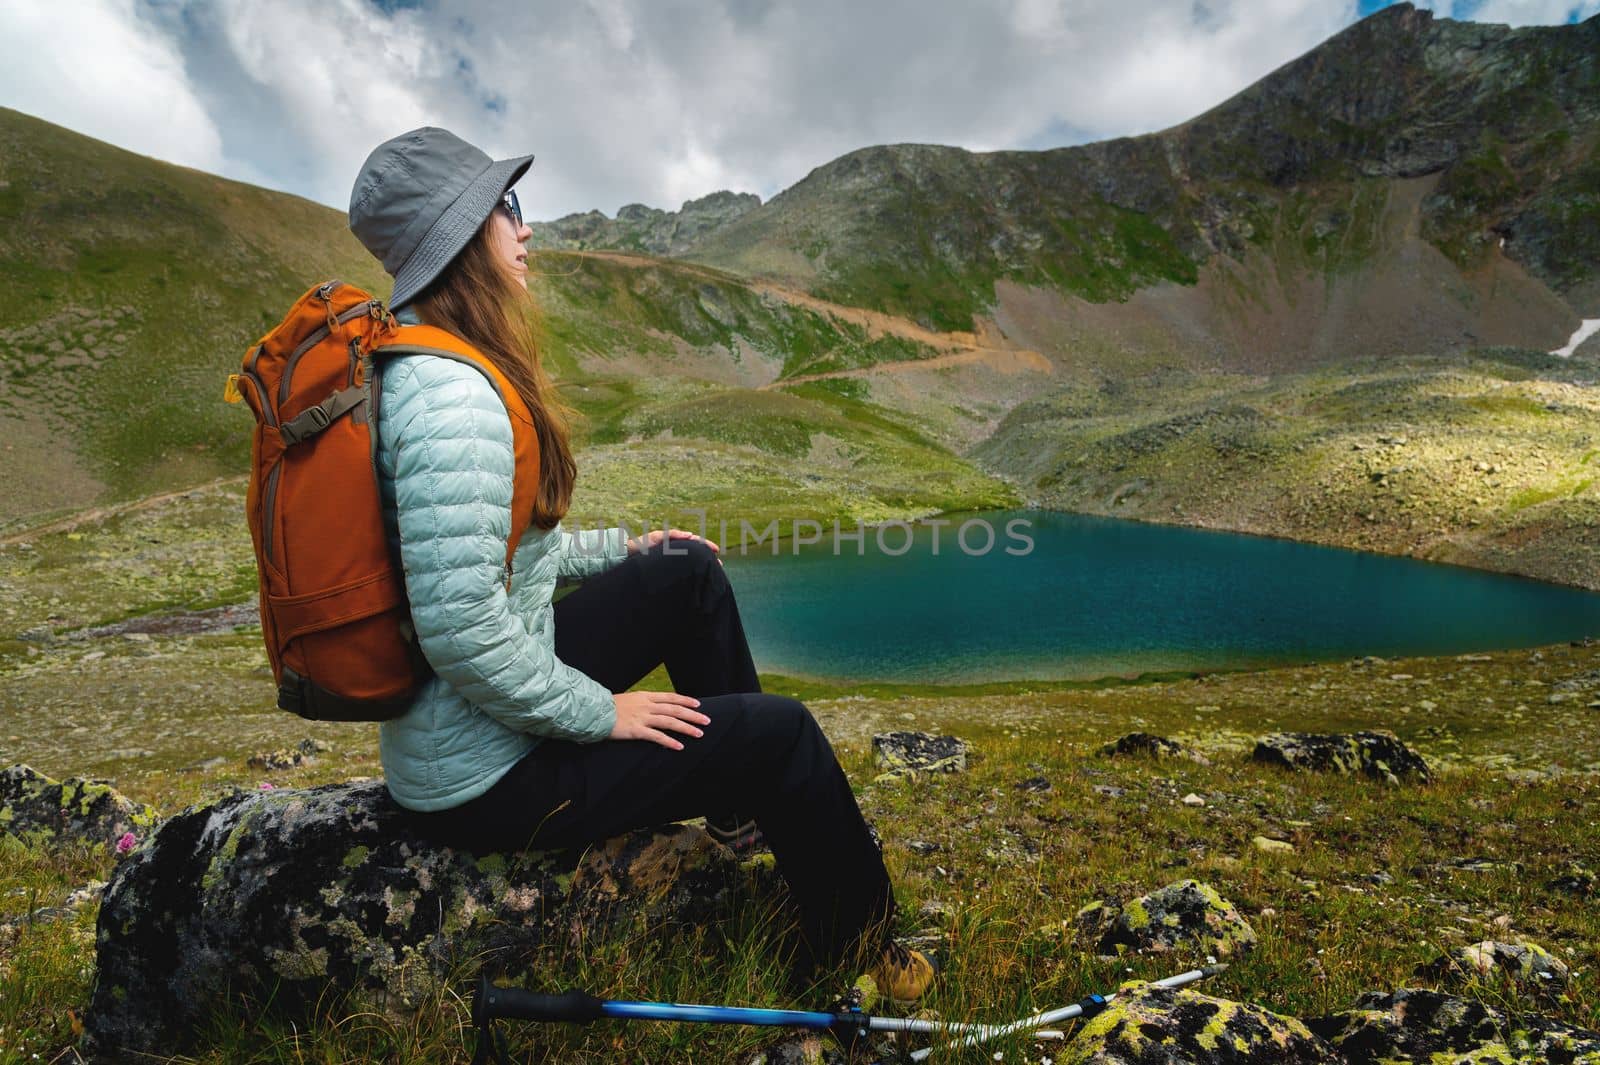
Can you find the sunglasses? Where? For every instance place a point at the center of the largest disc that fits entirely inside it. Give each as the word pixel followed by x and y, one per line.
pixel 509 202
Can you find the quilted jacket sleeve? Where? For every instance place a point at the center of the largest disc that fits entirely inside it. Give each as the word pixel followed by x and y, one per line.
pixel 453 465
pixel 588 552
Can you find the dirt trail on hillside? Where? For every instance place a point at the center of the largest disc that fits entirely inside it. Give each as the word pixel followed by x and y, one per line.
pixel 1007 361
pixel 98 514
pixel 984 348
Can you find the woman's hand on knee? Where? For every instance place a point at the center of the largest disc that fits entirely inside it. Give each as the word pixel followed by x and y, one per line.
pixel 655 536
pixel 652 715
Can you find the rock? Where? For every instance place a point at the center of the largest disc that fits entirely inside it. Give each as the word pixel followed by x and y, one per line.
pixel 1577 880
pixel 909 753
pixel 798 1050
pixel 293 894
pixel 1192 799
pixel 1526 966
pixel 1150 746
pixel 1147 1025
pixel 1413 1025
pixel 1185 914
pixel 1482 865
pixel 289 757
pixel 76 900
pixel 38 809
pixel 1272 846
pixel 1379 755
pixel 1038 784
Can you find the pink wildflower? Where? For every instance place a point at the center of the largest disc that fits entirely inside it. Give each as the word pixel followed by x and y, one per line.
pixel 266 786
pixel 127 843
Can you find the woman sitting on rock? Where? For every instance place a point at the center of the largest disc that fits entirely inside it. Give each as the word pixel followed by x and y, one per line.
pixel 527 736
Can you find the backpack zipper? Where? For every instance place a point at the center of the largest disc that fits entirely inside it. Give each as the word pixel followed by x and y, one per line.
pixel 269 507
pixel 312 341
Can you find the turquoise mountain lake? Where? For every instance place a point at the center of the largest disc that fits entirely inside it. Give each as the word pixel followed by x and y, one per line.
pixel 1096 597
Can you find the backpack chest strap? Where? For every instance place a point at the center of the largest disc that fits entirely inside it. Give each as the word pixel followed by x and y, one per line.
pixel 313 420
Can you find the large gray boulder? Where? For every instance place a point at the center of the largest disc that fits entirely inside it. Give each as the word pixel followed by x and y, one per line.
pixel 39 809
pixel 299 893
pixel 1379 755
pixel 1427 1026
pixel 1146 1025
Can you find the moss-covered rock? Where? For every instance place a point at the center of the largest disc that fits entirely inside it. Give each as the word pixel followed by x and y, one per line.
pixel 1427 1026
pixel 1527 967
pixel 303 893
pixel 1144 744
pixel 1379 755
pixel 1187 914
pixel 1146 1025
pixel 39 809
pixel 907 753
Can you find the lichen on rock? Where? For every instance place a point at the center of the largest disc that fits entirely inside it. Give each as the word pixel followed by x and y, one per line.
pixel 907 753
pixel 1526 966
pixel 300 893
pixel 1379 755
pixel 305 751
pixel 1147 745
pixel 1186 914
pixel 1148 1025
pixel 1415 1025
pixel 37 808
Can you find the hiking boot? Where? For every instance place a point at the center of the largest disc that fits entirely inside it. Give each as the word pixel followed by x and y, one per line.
pixel 738 834
pixel 902 974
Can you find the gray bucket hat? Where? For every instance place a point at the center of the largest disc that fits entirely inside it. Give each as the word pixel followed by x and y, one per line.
pixel 419 199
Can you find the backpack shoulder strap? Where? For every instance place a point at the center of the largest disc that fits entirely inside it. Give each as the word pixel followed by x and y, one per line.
pixel 440 343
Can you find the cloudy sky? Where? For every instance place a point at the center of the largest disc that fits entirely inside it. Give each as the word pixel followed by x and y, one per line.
pixel 652 101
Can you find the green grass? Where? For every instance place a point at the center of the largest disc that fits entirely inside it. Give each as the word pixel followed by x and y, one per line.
pixel 1011 866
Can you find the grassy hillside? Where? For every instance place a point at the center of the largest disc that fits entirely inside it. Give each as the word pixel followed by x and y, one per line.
pixel 129 289
pixel 1490 459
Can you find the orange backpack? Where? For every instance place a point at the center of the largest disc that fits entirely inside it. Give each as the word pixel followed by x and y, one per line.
pixel 333 604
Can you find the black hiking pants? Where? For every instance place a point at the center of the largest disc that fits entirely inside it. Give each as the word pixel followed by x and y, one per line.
pixel 762 755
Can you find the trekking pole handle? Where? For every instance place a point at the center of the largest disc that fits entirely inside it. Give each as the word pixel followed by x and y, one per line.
pixel 513 1003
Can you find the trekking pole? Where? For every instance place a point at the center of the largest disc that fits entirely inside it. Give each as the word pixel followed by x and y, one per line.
pixel 1086 1008
pixel 492 1003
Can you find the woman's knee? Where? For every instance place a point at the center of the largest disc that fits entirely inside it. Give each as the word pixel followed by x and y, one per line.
pixel 781 716
pixel 690 568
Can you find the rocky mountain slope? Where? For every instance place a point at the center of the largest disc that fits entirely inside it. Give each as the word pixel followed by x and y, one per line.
pixel 1405 154
pixel 645 229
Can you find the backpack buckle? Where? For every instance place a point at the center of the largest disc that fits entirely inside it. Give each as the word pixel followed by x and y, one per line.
pixel 313 420
pixel 309 423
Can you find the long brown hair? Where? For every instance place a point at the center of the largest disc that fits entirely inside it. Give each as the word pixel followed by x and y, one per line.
pixel 478 300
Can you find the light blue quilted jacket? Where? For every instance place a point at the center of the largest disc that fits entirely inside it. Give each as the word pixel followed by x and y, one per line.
pixel 445 467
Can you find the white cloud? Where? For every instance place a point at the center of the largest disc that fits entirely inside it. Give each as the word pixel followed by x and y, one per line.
pixel 105 73
pixel 644 100
pixel 1515 12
